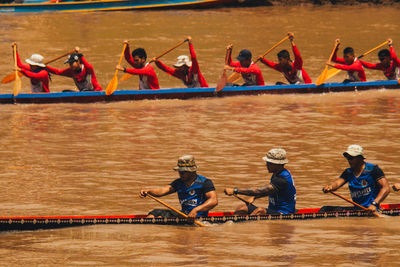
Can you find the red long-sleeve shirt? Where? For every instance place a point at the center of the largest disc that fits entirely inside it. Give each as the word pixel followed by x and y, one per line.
pixel 39 80
pixel 297 74
pixel 85 80
pixel 392 72
pixel 251 75
pixel 352 69
pixel 147 76
pixel 194 78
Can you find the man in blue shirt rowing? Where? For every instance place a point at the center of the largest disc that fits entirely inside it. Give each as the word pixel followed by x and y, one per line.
pixel 281 190
pixel 196 193
pixel 367 183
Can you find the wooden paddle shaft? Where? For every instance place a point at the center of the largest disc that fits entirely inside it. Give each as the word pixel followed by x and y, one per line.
pixel 333 51
pixel 122 54
pixel 174 209
pixel 273 47
pixel 15 59
pixel 348 200
pixel 169 50
pixel 352 202
pixel 57 58
pixel 373 49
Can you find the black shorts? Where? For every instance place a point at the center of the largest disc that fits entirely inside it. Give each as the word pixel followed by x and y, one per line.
pixel 164 213
pixel 251 208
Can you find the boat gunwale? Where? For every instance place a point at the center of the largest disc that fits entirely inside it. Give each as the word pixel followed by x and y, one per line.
pixel 188 93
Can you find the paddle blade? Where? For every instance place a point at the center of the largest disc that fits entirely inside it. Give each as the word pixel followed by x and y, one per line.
pixel 221 83
pixel 125 77
pixel 322 77
pixel 10 77
pixel 326 75
pixel 331 73
pixel 17 85
pixel 112 86
pixel 234 77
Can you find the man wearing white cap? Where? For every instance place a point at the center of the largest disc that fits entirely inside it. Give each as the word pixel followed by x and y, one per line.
pixel 184 69
pixel 196 193
pixel 367 183
pixel 281 190
pixel 36 71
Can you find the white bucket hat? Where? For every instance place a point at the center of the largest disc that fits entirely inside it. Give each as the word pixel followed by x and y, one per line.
pixel 36 60
pixel 183 60
pixel 354 151
pixel 276 156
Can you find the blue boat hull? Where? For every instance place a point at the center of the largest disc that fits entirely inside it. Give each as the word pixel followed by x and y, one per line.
pixel 188 93
pixel 108 5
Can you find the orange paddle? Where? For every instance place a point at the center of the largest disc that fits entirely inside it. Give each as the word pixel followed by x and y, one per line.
pixel 176 210
pixel 17 83
pixel 11 77
pixel 112 85
pixel 354 203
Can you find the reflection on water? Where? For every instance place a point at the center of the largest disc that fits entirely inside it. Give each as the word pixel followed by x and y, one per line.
pixel 77 159
pixel 93 159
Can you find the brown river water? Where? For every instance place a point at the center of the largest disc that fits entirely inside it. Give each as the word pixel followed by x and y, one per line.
pixel 77 159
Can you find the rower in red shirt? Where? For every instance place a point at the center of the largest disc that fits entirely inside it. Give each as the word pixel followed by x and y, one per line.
pixel 350 63
pixel 293 71
pixel 147 76
pixel 389 63
pixel 250 71
pixel 36 71
pixel 80 71
pixel 184 69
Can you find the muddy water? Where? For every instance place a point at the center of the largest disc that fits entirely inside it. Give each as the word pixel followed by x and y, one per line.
pixel 72 159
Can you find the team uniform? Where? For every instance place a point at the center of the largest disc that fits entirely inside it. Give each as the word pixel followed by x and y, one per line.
pixel 39 80
pixel 147 76
pixel 85 79
pixel 189 197
pixel 251 75
pixel 392 72
pixel 193 79
pixel 355 70
pixel 283 201
pixel 365 188
pixel 195 195
pixel 297 75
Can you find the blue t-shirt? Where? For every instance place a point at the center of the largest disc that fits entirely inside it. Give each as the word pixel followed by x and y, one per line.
pixel 365 188
pixel 284 199
pixel 195 195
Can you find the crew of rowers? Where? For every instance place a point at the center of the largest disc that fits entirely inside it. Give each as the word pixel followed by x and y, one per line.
pixel 367 184
pixel 188 71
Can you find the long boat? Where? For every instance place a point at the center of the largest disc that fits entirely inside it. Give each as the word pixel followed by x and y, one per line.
pixel 188 93
pixel 55 222
pixel 108 5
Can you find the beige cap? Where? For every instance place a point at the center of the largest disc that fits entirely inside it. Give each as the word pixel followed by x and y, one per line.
pixel 183 60
pixel 354 151
pixel 186 164
pixel 36 60
pixel 276 156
